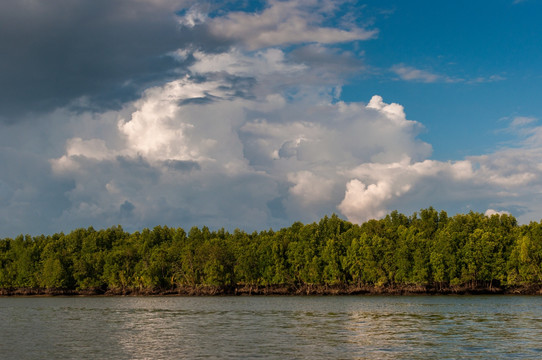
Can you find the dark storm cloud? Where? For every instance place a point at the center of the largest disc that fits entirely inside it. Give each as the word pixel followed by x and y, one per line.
pixel 27 192
pixel 58 50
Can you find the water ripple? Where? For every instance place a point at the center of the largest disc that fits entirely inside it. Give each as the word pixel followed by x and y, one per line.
pixel 444 327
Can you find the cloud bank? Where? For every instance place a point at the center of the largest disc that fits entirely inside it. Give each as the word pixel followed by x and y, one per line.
pixel 250 133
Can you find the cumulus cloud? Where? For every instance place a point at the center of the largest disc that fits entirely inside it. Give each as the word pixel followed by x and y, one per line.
pixel 249 134
pixel 375 186
pixel 308 188
pixel 362 202
pixel 192 151
pixel 259 161
pixel 194 159
pixel 505 178
pixel 491 212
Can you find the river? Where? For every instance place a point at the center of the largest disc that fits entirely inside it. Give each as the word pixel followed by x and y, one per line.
pixel 271 327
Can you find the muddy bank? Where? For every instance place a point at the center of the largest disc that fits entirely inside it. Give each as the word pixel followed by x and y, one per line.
pixel 287 290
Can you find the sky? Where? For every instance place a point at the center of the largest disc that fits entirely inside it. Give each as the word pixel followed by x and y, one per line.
pixel 257 114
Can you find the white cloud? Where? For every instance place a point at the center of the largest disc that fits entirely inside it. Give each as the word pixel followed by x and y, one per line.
pixel 374 186
pixel 194 148
pixel 190 152
pixel 394 111
pixel 520 121
pixel 409 73
pixel 285 22
pixel 189 142
pixel 310 189
pixel 491 212
pixel 509 178
pixel 262 63
pixel 489 79
pixel 156 129
pixel 194 16
pixel 362 202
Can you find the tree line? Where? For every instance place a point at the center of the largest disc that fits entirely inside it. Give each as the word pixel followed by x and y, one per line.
pixel 427 247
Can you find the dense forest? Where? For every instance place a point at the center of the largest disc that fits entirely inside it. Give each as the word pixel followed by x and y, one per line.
pixel 427 250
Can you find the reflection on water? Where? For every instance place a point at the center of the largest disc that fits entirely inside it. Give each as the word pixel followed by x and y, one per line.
pixel 271 327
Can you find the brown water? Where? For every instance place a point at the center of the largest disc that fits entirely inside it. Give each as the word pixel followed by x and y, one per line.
pixel 340 327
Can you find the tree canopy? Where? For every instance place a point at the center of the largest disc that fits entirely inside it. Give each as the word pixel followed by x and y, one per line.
pixel 428 247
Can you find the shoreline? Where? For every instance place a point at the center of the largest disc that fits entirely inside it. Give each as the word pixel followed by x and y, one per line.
pixel 282 290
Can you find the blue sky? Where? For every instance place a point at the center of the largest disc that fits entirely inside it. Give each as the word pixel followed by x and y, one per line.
pixel 258 114
pixel 486 58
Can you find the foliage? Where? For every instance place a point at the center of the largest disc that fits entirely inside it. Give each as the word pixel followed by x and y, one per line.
pixel 426 248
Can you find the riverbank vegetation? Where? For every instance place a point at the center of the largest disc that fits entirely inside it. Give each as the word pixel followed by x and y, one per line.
pixel 427 252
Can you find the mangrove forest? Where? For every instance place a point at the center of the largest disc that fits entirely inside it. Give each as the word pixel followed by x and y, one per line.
pixel 427 252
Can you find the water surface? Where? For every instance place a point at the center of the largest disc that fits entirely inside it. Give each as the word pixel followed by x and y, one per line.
pixel 339 327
